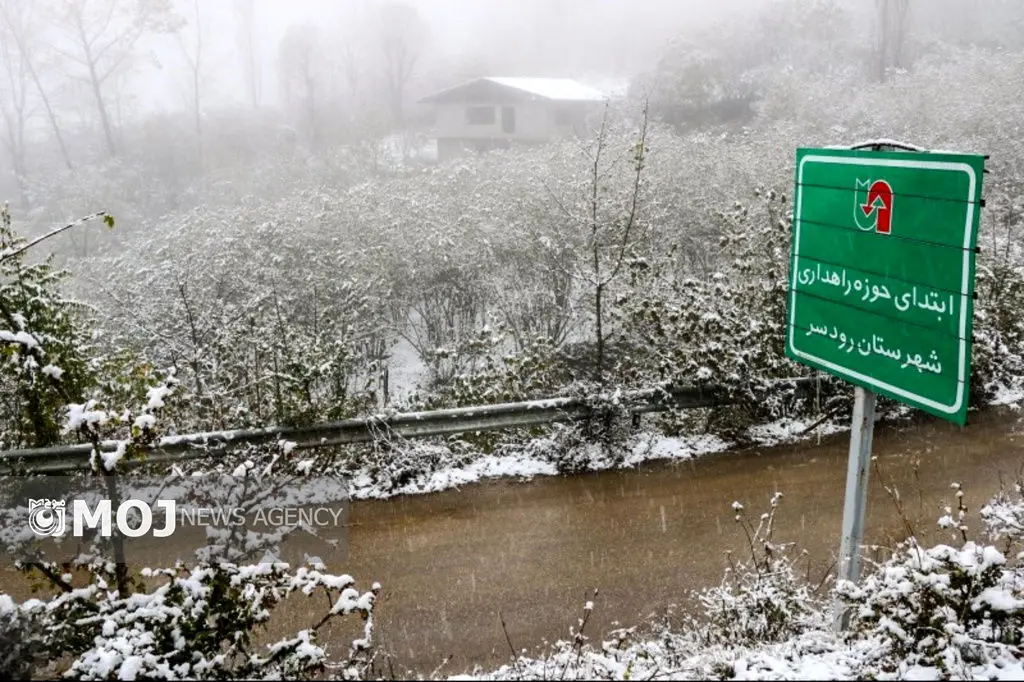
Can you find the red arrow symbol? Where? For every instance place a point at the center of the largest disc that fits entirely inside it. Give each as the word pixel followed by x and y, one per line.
pixel 880 199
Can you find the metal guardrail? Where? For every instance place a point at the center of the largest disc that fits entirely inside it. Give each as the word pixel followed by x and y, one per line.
pixel 69 458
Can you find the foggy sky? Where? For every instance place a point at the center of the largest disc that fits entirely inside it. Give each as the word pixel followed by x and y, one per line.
pixel 599 38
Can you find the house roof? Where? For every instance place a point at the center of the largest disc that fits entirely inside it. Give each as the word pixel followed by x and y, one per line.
pixel 554 89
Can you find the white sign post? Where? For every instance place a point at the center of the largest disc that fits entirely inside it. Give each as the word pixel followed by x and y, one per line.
pixel 855 508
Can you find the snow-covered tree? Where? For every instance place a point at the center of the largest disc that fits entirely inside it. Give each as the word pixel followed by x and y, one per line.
pixel 44 345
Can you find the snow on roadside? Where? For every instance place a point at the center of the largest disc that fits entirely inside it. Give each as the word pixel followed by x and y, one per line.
pixel 814 655
pixel 519 466
pixel 650 448
pixel 646 447
pixel 787 430
pixel 1010 397
pixel 527 464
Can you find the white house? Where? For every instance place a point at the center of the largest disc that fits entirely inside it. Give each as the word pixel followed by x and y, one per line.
pixel 496 112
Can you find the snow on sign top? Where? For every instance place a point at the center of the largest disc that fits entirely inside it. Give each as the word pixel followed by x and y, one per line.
pixel 552 88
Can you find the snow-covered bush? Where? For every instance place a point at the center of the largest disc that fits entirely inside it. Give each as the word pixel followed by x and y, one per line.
pixel 950 607
pixel 573 449
pixel 23 644
pixel 939 606
pixel 44 359
pixel 268 319
pixel 390 462
pixel 1003 517
pixel 131 427
pixel 198 620
pixel 761 599
pixel 997 356
pixel 534 370
pixel 201 622
pixel 727 329
pixel 599 442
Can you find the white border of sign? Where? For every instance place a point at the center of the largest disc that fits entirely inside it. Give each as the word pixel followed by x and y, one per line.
pixel 964 287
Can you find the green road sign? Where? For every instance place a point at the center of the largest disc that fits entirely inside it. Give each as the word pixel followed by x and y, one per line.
pixel 882 272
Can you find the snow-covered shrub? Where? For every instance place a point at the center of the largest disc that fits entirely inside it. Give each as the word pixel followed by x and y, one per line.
pixel 945 606
pixel 1003 517
pixel 761 599
pixel 23 643
pixel 44 356
pixel 939 606
pixel 132 427
pixel 569 449
pixel 51 356
pixel 391 462
pixel 443 314
pixel 997 356
pixel 196 623
pixel 727 329
pixel 272 317
pixel 600 441
pixel 535 370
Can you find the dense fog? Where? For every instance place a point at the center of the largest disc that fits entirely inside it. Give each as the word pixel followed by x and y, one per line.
pixel 180 86
pixel 228 224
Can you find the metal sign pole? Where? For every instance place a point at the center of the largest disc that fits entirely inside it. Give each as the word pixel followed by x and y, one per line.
pixel 862 431
pixel 855 507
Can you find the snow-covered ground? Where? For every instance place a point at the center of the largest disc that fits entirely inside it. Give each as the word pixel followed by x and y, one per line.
pixel 405 369
pixel 816 655
pixel 1009 397
pixel 528 463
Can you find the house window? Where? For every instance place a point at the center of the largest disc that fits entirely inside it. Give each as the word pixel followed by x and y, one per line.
pixel 563 117
pixel 480 116
pixel 508 120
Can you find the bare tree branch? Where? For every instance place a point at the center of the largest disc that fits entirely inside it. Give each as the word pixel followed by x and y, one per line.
pixel 14 251
pixel 635 198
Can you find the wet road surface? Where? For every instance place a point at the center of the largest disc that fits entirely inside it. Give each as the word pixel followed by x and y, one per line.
pixel 450 562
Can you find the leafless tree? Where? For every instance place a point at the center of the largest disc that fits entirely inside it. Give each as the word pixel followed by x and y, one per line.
pixel 100 42
pixel 18 23
pixel 193 54
pixel 609 243
pixel 609 217
pixel 351 73
pixel 892 34
pixel 356 77
pixel 14 109
pixel 245 11
pixel 403 36
pixel 300 77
